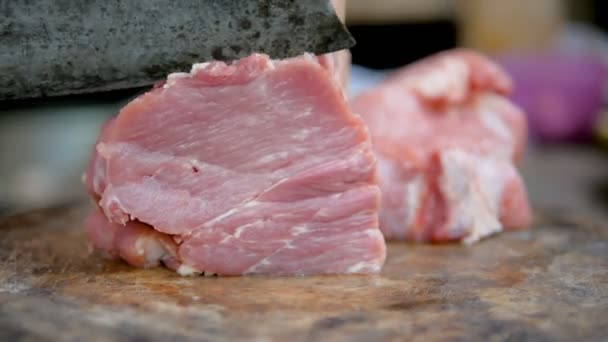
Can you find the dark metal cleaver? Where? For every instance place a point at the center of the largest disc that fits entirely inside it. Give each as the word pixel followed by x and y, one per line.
pixel 60 47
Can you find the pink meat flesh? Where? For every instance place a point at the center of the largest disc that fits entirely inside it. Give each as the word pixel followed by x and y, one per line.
pixel 95 176
pixel 446 140
pixel 253 167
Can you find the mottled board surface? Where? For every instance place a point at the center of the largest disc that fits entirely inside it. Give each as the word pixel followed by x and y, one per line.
pixel 549 283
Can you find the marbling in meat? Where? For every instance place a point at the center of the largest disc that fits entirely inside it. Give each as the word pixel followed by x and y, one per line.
pixel 446 140
pixel 254 167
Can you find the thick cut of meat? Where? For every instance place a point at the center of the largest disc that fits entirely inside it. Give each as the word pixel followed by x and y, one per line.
pixel 446 140
pixel 253 167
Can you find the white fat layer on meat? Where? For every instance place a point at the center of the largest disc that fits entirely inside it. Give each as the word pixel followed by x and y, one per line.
pixel 97 179
pixel 309 56
pixel 172 78
pixel 323 213
pixel 488 107
pixel 359 160
pixel 97 174
pixel 265 261
pixel 356 268
pixel 372 232
pixel 271 188
pixel 445 78
pixel 153 251
pixel 198 66
pixel 389 172
pixel 495 123
pixel 112 207
pixel 139 247
pixel 251 204
pixel 241 229
pixel 262 263
pixel 472 186
pixel 269 158
pixel 220 217
pixel 492 177
pixel 361 266
pixel 216 64
pixel 413 191
pixel 394 96
pixel 299 229
pixel 186 270
pixel 103 150
pixel 304 113
pixel 302 134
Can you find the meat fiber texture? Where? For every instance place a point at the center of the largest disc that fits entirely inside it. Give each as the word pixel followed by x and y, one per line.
pixel 447 141
pixel 256 167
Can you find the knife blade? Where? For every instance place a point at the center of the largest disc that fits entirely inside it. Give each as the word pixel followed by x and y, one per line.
pixel 61 47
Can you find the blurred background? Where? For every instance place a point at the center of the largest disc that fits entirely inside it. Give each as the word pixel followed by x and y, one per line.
pixel 556 51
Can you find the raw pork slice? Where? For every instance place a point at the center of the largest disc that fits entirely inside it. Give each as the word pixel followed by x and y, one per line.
pixel 253 167
pixel 446 140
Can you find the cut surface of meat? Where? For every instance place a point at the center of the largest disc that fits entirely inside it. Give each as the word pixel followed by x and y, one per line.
pixel 95 176
pixel 252 167
pixel 446 140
